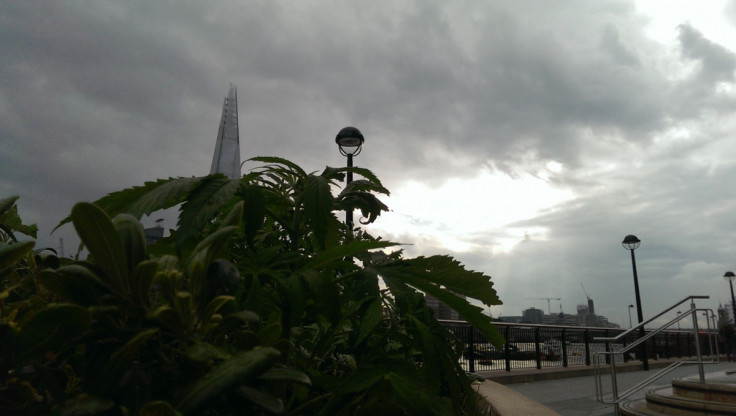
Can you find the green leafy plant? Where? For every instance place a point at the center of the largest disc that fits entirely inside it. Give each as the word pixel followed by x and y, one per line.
pixel 261 301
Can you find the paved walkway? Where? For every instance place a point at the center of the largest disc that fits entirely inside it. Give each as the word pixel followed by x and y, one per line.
pixel 571 392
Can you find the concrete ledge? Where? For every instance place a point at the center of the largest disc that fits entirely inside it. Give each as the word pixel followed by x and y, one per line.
pixel 504 401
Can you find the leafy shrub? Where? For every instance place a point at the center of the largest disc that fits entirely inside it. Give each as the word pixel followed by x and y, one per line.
pixel 260 302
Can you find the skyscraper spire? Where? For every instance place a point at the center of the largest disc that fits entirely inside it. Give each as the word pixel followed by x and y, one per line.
pixel 226 159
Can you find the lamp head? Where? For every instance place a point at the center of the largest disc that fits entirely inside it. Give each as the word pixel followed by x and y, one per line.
pixel 729 276
pixel 350 141
pixel 631 242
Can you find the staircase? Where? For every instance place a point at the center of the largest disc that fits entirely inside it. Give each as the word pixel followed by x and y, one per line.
pixel 687 397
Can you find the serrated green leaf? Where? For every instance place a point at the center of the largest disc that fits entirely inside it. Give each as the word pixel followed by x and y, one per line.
pixel 143 200
pixel 280 161
pixel 317 201
pixel 234 215
pixel 162 194
pixel 448 272
pixel 238 370
pixel 371 319
pixel 350 249
pixel 254 211
pixel 203 204
pixel 99 236
pixel 421 276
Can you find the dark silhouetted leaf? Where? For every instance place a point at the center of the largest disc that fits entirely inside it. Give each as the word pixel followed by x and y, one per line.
pixel 131 236
pixel 51 328
pixel 11 253
pixel 238 370
pixel 99 236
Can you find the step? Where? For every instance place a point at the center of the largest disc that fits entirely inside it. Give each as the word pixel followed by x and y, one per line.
pixel 721 390
pixel 639 408
pixel 667 398
pixel 667 401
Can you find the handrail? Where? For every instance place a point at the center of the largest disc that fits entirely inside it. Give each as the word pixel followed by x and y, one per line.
pixel 630 330
pixel 616 397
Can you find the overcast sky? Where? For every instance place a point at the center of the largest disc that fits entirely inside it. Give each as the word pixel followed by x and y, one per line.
pixel 526 138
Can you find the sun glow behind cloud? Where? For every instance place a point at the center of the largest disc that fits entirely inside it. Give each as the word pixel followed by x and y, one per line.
pixel 461 214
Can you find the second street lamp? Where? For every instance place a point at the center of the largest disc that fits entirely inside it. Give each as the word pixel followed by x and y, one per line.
pixel 350 141
pixel 729 276
pixel 631 243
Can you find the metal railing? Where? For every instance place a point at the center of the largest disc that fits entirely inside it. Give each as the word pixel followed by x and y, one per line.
pixel 610 356
pixel 531 346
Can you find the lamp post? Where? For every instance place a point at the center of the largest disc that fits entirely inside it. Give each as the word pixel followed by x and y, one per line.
pixel 631 243
pixel 729 276
pixel 350 142
pixel 630 324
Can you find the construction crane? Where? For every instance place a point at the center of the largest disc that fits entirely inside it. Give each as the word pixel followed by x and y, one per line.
pixel 549 309
pixel 584 291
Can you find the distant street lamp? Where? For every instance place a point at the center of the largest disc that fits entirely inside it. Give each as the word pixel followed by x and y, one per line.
pixel 631 243
pixel 630 324
pixel 350 141
pixel 729 276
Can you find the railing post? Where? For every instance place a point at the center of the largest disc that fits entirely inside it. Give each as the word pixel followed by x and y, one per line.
pixel 701 372
pixel 536 348
pixel 564 348
pixel 667 345
pixel 608 347
pixel 471 348
pixel 507 335
pixel 587 347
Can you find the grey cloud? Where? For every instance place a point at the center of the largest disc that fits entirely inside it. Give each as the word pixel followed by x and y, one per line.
pixel 101 96
pixel 717 62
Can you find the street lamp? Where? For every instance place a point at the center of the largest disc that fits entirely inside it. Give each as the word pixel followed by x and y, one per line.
pixel 350 141
pixel 729 276
pixel 631 243
pixel 630 306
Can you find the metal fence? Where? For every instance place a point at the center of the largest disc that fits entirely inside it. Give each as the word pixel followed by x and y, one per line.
pixel 542 346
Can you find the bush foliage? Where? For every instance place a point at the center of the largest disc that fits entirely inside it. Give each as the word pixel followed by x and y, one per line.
pixel 260 302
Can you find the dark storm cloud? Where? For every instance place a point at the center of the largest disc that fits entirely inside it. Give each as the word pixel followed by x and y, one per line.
pixel 97 96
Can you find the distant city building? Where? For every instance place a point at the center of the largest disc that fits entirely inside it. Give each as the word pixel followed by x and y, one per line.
pixel 584 317
pixel 532 316
pixel 226 159
pixel 441 311
pixel 154 234
pixel 511 319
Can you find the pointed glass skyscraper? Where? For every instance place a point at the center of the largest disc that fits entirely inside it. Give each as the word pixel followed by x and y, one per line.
pixel 226 159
